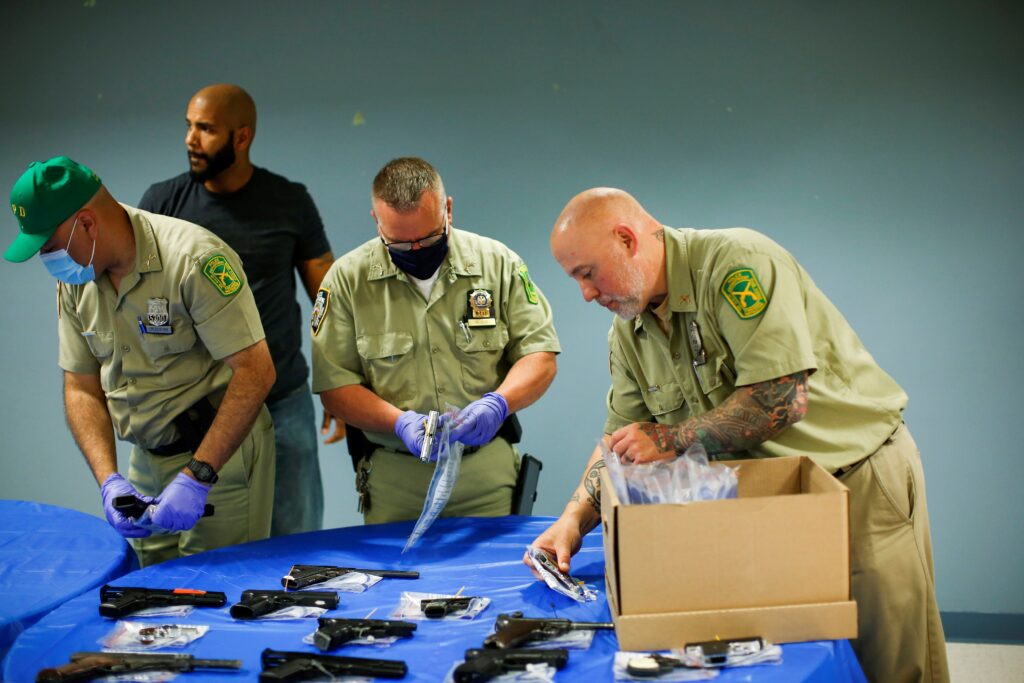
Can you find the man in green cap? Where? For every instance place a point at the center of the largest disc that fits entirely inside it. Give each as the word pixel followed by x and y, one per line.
pixel 723 339
pixel 161 342
pixel 421 316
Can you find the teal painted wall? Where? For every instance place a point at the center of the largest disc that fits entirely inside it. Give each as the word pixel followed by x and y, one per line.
pixel 880 142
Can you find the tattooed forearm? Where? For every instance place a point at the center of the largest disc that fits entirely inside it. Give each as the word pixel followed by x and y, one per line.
pixel 749 417
pixel 592 485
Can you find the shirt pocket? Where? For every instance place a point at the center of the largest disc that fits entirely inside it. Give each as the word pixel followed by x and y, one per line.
pixel 157 346
pixel 101 344
pixel 480 357
pixel 663 399
pixel 389 364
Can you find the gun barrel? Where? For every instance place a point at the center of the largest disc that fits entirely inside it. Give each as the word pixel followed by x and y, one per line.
pixel 483 665
pixel 117 601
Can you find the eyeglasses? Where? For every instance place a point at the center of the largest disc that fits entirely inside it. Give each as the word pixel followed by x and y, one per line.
pixel 428 241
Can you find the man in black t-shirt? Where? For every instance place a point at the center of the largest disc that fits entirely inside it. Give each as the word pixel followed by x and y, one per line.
pixel 275 228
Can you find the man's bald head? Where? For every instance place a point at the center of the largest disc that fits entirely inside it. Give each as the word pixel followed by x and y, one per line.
pixel 608 243
pixel 230 103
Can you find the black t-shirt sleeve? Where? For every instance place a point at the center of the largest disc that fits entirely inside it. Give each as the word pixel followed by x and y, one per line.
pixel 313 240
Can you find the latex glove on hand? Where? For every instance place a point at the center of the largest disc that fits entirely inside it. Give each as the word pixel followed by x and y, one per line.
pixel 410 427
pixel 478 422
pixel 181 504
pixel 115 486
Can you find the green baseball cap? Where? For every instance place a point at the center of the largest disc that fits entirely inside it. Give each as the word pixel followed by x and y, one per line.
pixel 43 198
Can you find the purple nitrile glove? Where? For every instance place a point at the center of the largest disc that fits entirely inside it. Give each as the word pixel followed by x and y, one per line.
pixel 181 504
pixel 478 422
pixel 410 427
pixel 114 486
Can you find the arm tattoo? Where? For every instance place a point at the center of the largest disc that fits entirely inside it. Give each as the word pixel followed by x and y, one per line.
pixel 592 484
pixel 750 416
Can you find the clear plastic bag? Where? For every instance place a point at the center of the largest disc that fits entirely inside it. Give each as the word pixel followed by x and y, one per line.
pixel 352 582
pixel 446 473
pixel 131 636
pixel 646 669
pixel 534 673
pixel 409 607
pixel 685 479
pixel 558 581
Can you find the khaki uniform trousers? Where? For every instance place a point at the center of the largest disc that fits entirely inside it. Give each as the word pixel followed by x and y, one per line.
pixel 397 484
pixel 243 496
pixel 900 633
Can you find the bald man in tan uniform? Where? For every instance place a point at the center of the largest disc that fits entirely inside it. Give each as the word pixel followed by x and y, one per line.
pixel 722 338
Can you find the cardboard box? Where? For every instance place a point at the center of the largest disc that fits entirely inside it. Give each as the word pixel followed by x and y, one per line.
pixel 773 562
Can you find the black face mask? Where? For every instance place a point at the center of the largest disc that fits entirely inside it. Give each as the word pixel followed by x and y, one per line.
pixel 421 263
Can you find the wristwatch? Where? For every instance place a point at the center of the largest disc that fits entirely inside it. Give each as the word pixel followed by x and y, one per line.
pixel 202 471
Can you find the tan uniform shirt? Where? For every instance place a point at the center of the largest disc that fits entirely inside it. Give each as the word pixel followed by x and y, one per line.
pixel 181 271
pixel 372 326
pixel 758 316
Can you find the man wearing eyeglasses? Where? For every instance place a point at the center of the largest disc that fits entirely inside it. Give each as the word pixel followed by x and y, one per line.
pixel 422 316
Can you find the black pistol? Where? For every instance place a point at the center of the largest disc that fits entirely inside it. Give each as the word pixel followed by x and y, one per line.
pixel 436 608
pixel 87 666
pixel 513 629
pixel 333 633
pixel 483 665
pixel 256 603
pixel 302 575
pixel 133 507
pixel 117 601
pixel 303 666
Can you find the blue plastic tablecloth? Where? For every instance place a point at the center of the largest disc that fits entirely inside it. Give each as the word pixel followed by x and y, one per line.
pixel 48 555
pixel 481 556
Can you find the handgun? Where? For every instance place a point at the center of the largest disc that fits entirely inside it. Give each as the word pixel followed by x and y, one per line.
pixel 302 575
pixel 117 601
pixel 131 506
pixel 256 603
pixel 513 629
pixel 334 633
pixel 436 608
pixel 483 665
pixel 87 666
pixel 279 665
pixel 429 435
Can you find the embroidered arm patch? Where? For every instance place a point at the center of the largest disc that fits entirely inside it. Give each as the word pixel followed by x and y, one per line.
pixel 744 293
pixel 219 271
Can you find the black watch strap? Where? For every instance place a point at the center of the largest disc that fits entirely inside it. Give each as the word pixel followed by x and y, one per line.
pixel 202 471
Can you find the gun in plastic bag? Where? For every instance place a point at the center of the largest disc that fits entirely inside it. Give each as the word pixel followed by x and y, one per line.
pixel 437 608
pixel 256 603
pixel 117 601
pixel 302 575
pixel 513 629
pixel 483 665
pixel 303 666
pixel 86 666
pixel 334 633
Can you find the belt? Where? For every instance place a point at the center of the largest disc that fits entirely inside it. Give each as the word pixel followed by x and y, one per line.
pixel 841 471
pixel 465 451
pixel 172 448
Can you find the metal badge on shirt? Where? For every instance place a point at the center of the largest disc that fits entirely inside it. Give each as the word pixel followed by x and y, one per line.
pixel 158 315
pixel 480 311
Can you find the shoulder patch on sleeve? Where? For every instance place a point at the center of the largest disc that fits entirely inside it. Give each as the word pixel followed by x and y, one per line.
pixel 218 270
pixel 744 293
pixel 316 319
pixel 531 289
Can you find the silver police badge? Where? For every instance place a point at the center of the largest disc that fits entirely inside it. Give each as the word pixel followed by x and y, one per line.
pixel 158 315
pixel 481 309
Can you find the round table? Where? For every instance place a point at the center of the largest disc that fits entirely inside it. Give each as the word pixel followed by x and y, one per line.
pixel 48 555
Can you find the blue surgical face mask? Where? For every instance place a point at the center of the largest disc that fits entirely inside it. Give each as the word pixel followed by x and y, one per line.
pixel 66 269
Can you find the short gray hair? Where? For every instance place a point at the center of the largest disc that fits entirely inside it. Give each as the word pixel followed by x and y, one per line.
pixel 402 182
